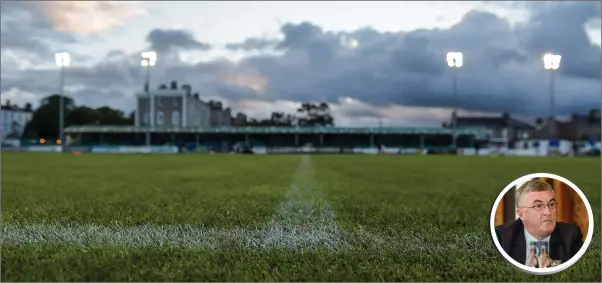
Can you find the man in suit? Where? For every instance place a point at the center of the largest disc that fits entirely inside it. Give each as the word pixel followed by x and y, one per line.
pixel 550 242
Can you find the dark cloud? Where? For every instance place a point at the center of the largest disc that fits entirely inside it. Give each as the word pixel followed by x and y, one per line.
pixel 163 40
pixel 503 68
pixel 98 97
pixel 547 33
pixel 252 44
pixel 24 28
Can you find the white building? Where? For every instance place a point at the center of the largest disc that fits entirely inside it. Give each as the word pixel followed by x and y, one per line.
pixel 14 120
pixel 176 108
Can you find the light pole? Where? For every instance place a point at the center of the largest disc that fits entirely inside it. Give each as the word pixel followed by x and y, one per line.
pixel 148 60
pixel 62 60
pixel 455 60
pixel 551 62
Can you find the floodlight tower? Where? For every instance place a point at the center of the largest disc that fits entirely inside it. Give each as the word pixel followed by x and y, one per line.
pixel 455 60
pixel 551 62
pixel 149 59
pixel 62 60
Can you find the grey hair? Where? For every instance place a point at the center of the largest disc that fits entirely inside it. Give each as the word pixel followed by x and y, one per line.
pixel 534 185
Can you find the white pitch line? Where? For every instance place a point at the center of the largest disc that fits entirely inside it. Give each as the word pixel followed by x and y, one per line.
pixel 304 222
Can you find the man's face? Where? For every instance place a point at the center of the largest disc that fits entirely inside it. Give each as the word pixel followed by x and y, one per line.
pixel 539 223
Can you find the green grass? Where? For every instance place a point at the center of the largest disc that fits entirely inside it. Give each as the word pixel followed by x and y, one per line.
pixel 373 218
pixel 134 189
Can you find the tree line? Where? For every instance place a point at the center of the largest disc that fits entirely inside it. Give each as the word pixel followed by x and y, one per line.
pixel 307 115
pixel 45 119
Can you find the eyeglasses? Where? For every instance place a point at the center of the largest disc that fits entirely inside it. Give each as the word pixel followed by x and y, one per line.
pixel 541 206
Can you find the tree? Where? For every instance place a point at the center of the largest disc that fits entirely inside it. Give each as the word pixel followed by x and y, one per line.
pixel 45 120
pixel 109 116
pixel 276 119
pixel 162 86
pixel 84 115
pixel 282 119
pixel 312 115
pixel 28 107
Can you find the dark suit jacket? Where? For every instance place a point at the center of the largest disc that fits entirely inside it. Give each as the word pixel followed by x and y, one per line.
pixel 566 240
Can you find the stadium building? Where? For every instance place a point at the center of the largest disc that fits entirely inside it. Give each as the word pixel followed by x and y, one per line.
pixel 175 107
pixel 224 138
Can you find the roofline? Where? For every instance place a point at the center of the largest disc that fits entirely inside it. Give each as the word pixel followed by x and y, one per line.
pixel 4 108
pixel 275 130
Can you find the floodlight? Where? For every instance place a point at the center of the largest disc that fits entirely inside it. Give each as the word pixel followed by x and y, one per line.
pixel 354 43
pixel 149 59
pixel 62 59
pixel 455 59
pixel 551 61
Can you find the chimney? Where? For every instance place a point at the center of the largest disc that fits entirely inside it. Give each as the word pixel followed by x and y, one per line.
pixel 505 116
pixel 196 95
pixel 8 102
pixel 574 117
pixel 454 118
pixel 174 85
pixel 594 116
pixel 187 88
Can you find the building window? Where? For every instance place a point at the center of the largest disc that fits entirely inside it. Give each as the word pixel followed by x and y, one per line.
pixel 160 119
pixel 175 118
pixel 146 119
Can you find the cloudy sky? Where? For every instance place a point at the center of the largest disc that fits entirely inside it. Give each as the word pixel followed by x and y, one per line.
pixel 370 60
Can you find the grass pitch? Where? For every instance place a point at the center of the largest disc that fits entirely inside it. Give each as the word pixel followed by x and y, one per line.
pixel 267 218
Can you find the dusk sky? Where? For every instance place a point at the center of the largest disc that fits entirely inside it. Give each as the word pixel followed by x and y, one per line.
pixel 369 60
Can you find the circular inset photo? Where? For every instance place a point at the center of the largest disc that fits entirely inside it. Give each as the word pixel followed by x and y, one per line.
pixel 541 223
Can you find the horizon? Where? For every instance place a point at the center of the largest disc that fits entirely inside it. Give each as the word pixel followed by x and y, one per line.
pixel 370 61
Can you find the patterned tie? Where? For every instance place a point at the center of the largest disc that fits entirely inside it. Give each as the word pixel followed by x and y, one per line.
pixel 543 247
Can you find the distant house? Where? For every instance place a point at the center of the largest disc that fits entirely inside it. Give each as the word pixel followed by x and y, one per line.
pixel 239 120
pixel 14 120
pixel 501 129
pixel 579 127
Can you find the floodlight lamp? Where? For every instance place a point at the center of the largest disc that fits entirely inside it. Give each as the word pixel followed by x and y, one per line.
pixel 354 43
pixel 455 59
pixel 62 59
pixel 144 63
pixel 551 61
pixel 150 57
